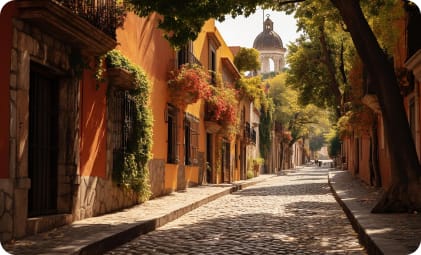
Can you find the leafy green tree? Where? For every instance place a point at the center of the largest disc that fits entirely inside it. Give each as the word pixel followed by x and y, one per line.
pixel 265 128
pixel 316 142
pixel 247 59
pixel 308 73
pixel 318 60
pixel 334 143
pixel 251 87
pixel 183 19
pixel 300 120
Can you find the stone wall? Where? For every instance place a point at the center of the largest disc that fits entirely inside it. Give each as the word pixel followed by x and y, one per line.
pixel 98 196
pixel 31 45
pixel 6 209
pixel 157 177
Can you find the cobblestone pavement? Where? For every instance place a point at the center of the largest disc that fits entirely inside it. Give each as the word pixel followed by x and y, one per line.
pixel 394 234
pixel 290 214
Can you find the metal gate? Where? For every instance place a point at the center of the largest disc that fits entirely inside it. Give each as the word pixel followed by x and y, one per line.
pixel 43 144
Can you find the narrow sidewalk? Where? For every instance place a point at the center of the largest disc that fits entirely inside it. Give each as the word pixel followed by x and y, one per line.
pixel 393 234
pixel 99 234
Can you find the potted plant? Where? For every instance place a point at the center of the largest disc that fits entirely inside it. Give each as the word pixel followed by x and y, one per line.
pixel 120 72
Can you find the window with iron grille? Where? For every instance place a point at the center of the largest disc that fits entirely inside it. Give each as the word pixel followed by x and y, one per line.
pixel 121 113
pixel 171 118
pixel 191 139
pixel 212 65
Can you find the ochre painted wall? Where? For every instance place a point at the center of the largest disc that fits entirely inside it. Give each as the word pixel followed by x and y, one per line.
pixel 192 174
pixel 171 171
pixel 364 158
pixel 93 141
pixel 384 158
pixel 6 30
pixel 143 43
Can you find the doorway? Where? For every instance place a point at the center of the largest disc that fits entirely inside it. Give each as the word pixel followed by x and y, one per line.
pixel 225 164
pixel 43 142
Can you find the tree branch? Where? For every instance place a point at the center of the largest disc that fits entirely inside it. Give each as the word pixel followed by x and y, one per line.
pixel 291 2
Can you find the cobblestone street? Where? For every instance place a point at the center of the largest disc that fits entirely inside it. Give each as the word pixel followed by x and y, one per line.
pixel 290 214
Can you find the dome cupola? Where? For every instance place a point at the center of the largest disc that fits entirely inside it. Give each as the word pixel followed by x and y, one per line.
pixel 268 39
pixel 270 47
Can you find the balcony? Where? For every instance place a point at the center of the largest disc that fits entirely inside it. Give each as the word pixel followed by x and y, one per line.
pixel 87 25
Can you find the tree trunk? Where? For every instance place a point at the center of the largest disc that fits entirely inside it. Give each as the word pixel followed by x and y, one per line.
pixel 404 193
pixel 282 155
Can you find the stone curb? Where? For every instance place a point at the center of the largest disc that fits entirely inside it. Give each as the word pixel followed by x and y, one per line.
pixel 361 222
pixel 106 243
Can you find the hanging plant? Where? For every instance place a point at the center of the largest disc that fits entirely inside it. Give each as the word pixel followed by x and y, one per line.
pixel 188 84
pixel 221 106
pixel 132 171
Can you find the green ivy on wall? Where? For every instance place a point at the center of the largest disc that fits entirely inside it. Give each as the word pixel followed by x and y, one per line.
pixel 265 129
pixel 133 172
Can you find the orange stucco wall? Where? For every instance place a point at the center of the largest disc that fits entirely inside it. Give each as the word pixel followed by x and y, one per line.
pixel 6 15
pixel 351 158
pixel 142 42
pixel 192 174
pixel 364 159
pixel 384 159
pixel 93 141
pixel 171 171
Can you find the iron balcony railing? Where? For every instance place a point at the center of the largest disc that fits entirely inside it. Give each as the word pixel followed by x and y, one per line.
pixel 106 15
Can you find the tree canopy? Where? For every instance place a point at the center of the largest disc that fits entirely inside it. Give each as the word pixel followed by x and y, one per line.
pixel 247 59
pixel 301 120
pixel 318 59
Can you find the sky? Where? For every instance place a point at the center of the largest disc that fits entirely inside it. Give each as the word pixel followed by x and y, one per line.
pixel 246 29
pixel 242 31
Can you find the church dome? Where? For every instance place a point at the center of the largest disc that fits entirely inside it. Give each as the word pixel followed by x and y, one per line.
pixel 268 39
